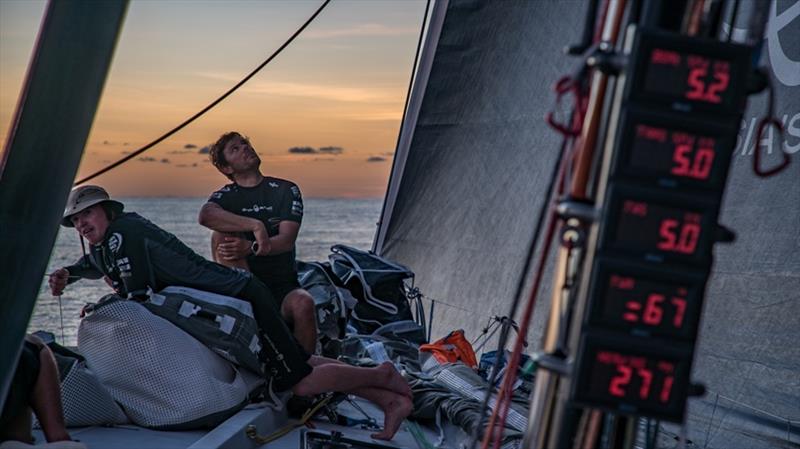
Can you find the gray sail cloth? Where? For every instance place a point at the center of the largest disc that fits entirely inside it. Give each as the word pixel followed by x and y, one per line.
pixel 476 174
pixel 456 391
pixel 161 376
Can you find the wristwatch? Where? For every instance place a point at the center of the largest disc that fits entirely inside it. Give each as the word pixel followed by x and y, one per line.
pixel 254 248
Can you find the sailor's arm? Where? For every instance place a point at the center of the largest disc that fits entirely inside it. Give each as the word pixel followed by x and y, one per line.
pixel 213 216
pixel 286 237
pixel 82 269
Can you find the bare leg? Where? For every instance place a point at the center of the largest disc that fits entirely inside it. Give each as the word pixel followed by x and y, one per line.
pixel 216 239
pixel 298 309
pixel 332 375
pixel 396 406
pixel 46 399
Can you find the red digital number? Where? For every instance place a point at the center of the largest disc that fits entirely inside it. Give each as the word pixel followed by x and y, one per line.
pixel 619 381
pixel 719 85
pixel 698 167
pixel 666 390
pixel 647 378
pixel 697 87
pixel 652 311
pixel 677 238
pixel 680 310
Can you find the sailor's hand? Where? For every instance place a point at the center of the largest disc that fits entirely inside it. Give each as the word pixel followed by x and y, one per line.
pixel 233 248
pixel 262 239
pixel 58 281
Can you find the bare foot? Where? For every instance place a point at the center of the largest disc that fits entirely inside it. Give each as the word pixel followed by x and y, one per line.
pixel 394 380
pixel 395 409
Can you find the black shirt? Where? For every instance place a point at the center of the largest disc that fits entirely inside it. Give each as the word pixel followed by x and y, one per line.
pixel 271 201
pixel 136 254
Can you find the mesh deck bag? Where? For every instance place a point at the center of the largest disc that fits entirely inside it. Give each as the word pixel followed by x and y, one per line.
pixel 84 399
pixel 377 284
pixel 224 324
pixel 161 376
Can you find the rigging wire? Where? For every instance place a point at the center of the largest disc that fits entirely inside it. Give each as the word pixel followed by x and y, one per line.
pixel 210 106
pixel 555 176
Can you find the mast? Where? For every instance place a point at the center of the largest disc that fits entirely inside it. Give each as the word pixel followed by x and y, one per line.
pixel 46 139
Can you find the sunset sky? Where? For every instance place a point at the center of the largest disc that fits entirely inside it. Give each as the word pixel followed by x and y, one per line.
pixel 341 84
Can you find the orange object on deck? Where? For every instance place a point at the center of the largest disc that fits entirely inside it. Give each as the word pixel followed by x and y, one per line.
pixel 453 348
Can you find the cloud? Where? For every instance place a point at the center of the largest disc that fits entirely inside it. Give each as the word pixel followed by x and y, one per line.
pixel 331 150
pixel 389 153
pixel 105 142
pixel 303 150
pixel 147 159
pixel 125 144
pixel 347 93
pixel 324 159
pixel 180 152
pixel 376 159
pixel 126 152
pixel 165 161
pixel 205 150
pixel 186 165
pixel 362 30
pixel 189 146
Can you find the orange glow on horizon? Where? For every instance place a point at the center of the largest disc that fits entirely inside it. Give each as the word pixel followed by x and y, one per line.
pixel 341 84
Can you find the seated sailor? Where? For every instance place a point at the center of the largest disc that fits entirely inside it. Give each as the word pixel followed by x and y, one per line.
pixel 35 386
pixel 135 255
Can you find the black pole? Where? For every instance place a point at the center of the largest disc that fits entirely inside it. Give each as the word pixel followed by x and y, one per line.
pixel 46 139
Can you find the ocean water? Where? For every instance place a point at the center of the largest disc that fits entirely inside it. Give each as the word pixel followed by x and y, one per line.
pixel 326 222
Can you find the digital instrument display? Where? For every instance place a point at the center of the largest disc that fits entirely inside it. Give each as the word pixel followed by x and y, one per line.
pixel 689 76
pixel 690 73
pixel 644 302
pixel 678 153
pixel 632 380
pixel 664 149
pixel 657 226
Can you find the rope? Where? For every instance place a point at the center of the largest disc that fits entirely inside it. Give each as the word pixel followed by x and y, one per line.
pixel 555 178
pixel 210 106
pixel 61 316
pixel 252 433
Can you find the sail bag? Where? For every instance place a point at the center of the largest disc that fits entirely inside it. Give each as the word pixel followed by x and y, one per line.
pixel 225 325
pixel 161 376
pixel 377 284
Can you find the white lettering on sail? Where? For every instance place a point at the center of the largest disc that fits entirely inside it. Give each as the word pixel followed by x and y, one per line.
pixel 745 144
pixel 793 129
pixel 786 70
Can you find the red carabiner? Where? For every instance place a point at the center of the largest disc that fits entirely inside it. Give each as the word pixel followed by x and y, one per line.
pixel 563 86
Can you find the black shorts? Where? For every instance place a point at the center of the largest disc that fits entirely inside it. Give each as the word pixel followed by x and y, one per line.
pixel 21 388
pixel 284 359
pixel 281 287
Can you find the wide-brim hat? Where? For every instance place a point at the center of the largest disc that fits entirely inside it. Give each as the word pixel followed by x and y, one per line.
pixel 83 197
